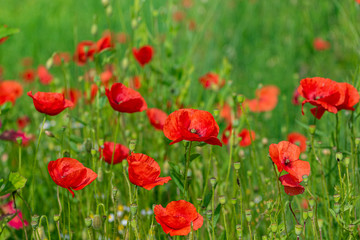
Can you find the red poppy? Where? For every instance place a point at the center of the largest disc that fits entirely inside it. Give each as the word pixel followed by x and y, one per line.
pixel 295 97
pixel 121 152
pixel 123 99
pixel 298 139
pixel 135 82
pixel 10 91
pixel 291 186
pixel 211 80
pixel 73 94
pixel 320 44
pixel 177 218
pixel 246 138
pixel 226 134
pixel 143 55
pixel 192 25
pixel 28 75
pixel 18 221
pixel 187 3
pixel 93 91
pixel 12 135
pixel 192 125
pixel 23 121
pixel 44 76
pixel 69 173
pixel 60 58
pixel 226 113
pixel 50 103
pixel 266 99
pixel 104 43
pixel 85 51
pixel 106 77
pixel 327 95
pixel 145 171
pixel 285 155
pixel 156 117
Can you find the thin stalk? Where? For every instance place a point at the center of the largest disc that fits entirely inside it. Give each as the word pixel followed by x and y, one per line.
pixel 47 224
pixel 293 213
pixel 186 171
pixel 225 224
pixel 213 212
pixel 230 158
pixel 69 216
pixel 282 209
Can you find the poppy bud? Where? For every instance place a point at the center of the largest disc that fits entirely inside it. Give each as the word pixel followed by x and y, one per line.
pixel 19 140
pixel 347 162
pixel 49 134
pixel 115 194
pixel 274 227
pixel 305 179
pixel 339 156
pixel 237 165
pixel 337 208
pixel 298 230
pixel 88 222
pixel 248 215
pixel 357 141
pixel 94 29
pixel 125 63
pixel 100 174
pixel 312 202
pixel 108 11
pixel 233 201
pixel 105 3
pixel 133 209
pixel 88 145
pixel 222 200
pixel 239 231
pixel 93 152
pixel 96 223
pixel 132 145
pixel 49 62
pixel 56 217
pixel 312 129
pixel 212 181
pixel 320 223
pixel 305 215
pixel 310 213
pixel 35 221
pixel 336 198
pixel 66 154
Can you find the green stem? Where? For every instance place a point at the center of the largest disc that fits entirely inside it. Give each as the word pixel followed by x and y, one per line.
pixel 186 171
pixel 213 212
pixel 281 205
pixel 47 224
pixel 69 216
pixel 230 159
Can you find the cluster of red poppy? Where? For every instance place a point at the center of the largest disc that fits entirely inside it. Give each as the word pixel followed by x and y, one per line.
pixel 285 156
pixel 327 95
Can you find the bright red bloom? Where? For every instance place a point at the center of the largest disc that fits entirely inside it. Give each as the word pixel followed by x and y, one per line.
pixel 10 91
pixel 104 43
pixel 156 117
pixel 69 173
pixel 192 125
pixel 23 121
pixel 266 99
pixel 16 222
pixel 85 51
pixel 123 99
pixel 246 138
pixel 106 77
pixel 291 186
pixel 60 58
pixel 12 135
pixel 320 44
pixel 28 75
pixel 177 217
pixel 211 80
pixel 285 155
pixel 121 152
pixel 145 171
pixel 298 139
pixel 143 55
pixel 327 95
pixel 50 103
pixel 44 75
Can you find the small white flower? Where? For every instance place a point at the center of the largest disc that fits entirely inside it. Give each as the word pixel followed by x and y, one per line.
pixel 111 217
pixel 124 222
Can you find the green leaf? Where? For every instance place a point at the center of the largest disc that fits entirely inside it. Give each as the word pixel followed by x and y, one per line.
pixel 332 213
pixel 194 156
pixel 102 102
pixel 207 199
pixel 15 182
pixel 177 179
pixel 5 107
pixel 6 32
pixel 217 214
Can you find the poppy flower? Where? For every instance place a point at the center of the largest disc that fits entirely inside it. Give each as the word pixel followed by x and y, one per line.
pixel 12 135
pixel 104 43
pixel 178 16
pixel 60 58
pixel 135 82
pixel 143 55
pixel 246 138
pixel 28 75
pixel 177 217
pixel 69 173
pixel 106 77
pixel 44 76
pixel 121 152
pixel 23 121
pixel 226 134
pixel 192 125
pixel 145 171
pixel 85 51
pixel 10 91
pixel 50 103
pixel 74 95
pixel 123 99
pixel 321 44
pixel 266 99
pixel 18 221
pixel 226 113
pixel 298 139
pixel 285 155
pixel 93 91
pixel 291 186
pixel 351 97
pixel 211 80
pixel 192 25
pixel 156 117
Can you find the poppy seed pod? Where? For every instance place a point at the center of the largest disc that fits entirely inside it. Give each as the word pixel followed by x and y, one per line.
pixel 347 162
pixel 298 230
pixel 264 237
pixel 312 129
pixel 56 217
pixel 97 222
pixel 222 200
pixel 248 215
pixel 339 156
pixel 310 213
pixel 239 231
pixel 212 181
pixel 337 207
pixel 305 215
pixel 274 227
pixel 237 165
pixel 312 202
pixel 320 223
pixel 336 198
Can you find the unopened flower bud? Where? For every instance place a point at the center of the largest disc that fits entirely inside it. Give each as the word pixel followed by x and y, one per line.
pixel 101 142
pixel 93 152
pixel 237 165
pixel 320 223
pixel 88 222
pixel 310 213
pixel 105 3
pixel 222 200
pixel 336 198
pixel 35 221
pixel 233 201
pixel 305 215
pixel 209 214
pixel 132 145
pixel 108 10
pixel 248 215
pixel 347 162
pixel 49 134
pixel 34 224
pixel 56 217
pixel 298 229
pixel 240 98
pixel 19 140
pixel 133 209
pixel 312 202
pixel 274 227
pixel 216 113
pixel 264 237
pixel 312 129
pixel 212 181
pixel 339 156
pixel 96 222
pixel 94 29
pixel 337 207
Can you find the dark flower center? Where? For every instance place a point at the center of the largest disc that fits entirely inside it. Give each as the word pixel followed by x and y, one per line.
pixel 193 130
